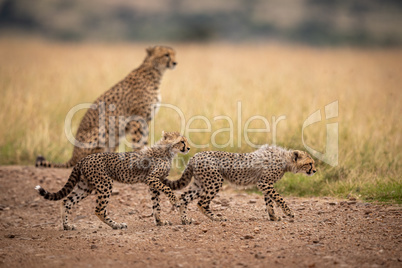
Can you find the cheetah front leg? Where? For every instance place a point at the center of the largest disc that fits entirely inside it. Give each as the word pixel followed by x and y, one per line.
pixel 157 186
pixel 270 208
pixel 267 189
pixel 280 202
pixel 138 131
pixel 104 194
pixel 156 208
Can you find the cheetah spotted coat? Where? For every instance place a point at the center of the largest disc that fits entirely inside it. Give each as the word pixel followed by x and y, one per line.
pixel 130 103
pixel 263 168
pixel 97 172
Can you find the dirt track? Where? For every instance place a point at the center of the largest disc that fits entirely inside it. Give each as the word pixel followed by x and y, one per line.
pixel 325 232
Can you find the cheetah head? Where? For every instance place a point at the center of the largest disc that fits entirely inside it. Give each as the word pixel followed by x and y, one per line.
pixel 178 142
pixel 303 163
pixel 161 57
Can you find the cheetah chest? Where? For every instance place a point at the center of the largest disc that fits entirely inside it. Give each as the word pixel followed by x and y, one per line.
pixel 157 104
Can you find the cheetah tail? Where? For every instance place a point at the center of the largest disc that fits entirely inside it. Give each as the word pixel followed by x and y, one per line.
pixel 183 181
pixel 68 187
pixel 41 162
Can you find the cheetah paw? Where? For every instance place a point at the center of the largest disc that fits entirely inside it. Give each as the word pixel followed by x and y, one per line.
pixel 68 227
pixel 290 215
pixel 163 223
pixel 175 207
pixel 216 218
pixel 120 226
pixel 187 221
pixel 274 218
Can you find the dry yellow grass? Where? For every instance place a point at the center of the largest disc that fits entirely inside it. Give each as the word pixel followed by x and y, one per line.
pixel 41 81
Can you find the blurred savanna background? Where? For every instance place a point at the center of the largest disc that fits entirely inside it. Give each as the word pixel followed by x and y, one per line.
pixel 273 59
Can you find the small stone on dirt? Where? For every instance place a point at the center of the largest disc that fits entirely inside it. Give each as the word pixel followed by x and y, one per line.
pixel 248 237
pixel 225 203
pixel 94 246
pixel 115 192
pixel 252 201
pixel 259 256
pixel 10 236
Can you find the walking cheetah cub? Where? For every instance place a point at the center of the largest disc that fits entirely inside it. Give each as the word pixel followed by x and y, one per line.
pixel 131 102
pixel 263 168
pixel 97 172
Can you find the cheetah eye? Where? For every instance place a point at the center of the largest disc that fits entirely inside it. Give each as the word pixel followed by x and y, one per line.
pixel 167 55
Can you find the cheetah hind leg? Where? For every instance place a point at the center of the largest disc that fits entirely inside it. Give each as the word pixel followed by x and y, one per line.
pixel 103 216
pixel 81 191
pixel 185 199
pixel 207 212
pixel 102 201
pixel 206 199
pixel 65 212
pixel 203 205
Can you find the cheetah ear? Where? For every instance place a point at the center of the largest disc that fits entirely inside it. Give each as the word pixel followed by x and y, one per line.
pixel 164 135
pixel 150 51
pixel 295 156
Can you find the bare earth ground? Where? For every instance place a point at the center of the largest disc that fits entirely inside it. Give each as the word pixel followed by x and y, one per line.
pixel 326 232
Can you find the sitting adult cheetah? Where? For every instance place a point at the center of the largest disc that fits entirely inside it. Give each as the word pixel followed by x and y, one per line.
pixel 130 103
pixel 263 167
pixel 97 172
